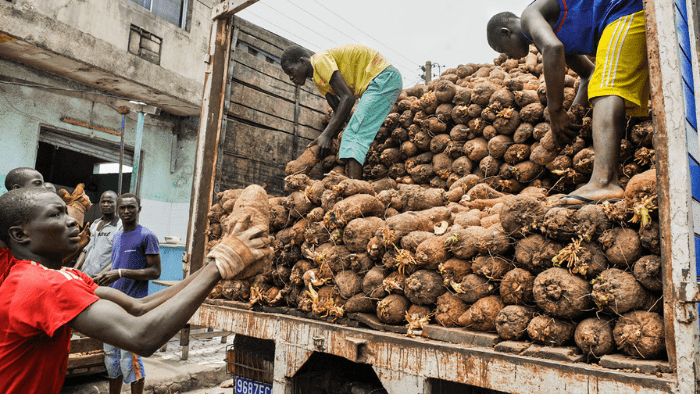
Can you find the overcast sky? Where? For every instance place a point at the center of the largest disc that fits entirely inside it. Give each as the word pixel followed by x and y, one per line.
pixel 407 32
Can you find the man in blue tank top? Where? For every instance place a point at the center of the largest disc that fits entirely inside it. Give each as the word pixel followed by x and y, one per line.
pixel 565 32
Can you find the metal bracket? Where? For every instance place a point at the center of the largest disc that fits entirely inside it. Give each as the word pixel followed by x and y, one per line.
pixel 319 343
pixel 229 7
pixel 689 292
pixel 359 347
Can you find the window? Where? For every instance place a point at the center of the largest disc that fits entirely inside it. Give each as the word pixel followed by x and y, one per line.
pixel 174 11
pixel 144 44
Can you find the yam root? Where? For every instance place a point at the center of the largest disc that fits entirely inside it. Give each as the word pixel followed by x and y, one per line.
pixel 550 331
pixel 640 334
pixel 512 322
pixel 594 337
pixel 561 294
pixel 481 316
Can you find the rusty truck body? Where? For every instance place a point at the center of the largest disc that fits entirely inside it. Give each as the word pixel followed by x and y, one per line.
pixel 254 120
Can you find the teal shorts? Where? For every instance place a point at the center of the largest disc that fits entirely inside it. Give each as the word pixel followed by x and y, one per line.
pixel 373 107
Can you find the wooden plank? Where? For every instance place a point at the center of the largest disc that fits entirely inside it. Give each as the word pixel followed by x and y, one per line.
pixel 282 88
pixel 210 122
pixel 264 35
pixel 238 172
pixel 273 105
pixel 272 70
pixel 261 44
pixel 264 120
pixel 258 143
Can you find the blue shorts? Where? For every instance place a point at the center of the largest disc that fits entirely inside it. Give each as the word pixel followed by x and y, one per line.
pixel 373 107
pixel 123 363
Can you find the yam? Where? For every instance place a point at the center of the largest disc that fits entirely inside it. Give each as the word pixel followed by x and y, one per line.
pixel 476 149
pixel 481 316
pixel 473 287
pixel 304 162
pixel 516 153
pixel 622 246
pixel 444 91
pixel 550 331
pixel 489 166
pixel 591 221
pixel 395 283
pixel 512 322
pixel 507 121
pixel 423 287
pixel 594 337
pixel 372 283
pixel 348 283
pixel 583 258
pixel 516 287
pixel 462 166
pixel 521 215
pixel 431 252
pixel 618 291
pixel 649 238
pixel 449 309
pixel 523 133
pixel 357 206
pixel 358 232
pixel 559 223
pixel 392 309
pixel 359 303
pixel 411 241
pixel 640 334
pixel 561 294
pixel 647 270
pixel 491 267
pixel 454 270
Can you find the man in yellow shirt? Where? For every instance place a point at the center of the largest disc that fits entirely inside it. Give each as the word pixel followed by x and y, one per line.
pixel 343 74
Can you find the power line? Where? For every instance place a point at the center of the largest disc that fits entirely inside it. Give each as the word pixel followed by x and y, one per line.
pixel 284 30
pixel 353 39
pixel 313 30
pixel 317 33
pixel 366 34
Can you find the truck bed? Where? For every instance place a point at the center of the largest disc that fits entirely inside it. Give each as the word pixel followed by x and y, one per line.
pixel 405 364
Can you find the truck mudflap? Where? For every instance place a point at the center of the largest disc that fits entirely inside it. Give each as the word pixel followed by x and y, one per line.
pixel 407 364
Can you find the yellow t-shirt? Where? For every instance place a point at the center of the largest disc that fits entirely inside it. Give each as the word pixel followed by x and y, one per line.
pixel 357 64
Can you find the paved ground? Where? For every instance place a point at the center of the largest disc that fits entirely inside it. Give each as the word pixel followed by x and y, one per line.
pixel 166 373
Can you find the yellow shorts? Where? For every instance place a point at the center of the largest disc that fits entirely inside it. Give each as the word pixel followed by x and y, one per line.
pixel 621 64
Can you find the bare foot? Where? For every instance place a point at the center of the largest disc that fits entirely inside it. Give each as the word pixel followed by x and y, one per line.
pixel 592 193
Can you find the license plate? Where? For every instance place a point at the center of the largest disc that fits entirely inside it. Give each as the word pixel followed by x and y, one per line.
pixel 243 385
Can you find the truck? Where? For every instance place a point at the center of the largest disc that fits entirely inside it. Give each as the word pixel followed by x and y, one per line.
pixel 253 120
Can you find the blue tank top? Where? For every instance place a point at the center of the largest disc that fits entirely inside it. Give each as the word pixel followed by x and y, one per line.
pixel 581 22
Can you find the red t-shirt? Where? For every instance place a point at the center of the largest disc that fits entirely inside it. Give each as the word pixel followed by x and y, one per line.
pixel 36 305
pixel 5 261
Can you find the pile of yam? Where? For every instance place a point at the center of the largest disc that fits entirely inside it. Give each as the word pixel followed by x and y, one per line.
pixel 457 221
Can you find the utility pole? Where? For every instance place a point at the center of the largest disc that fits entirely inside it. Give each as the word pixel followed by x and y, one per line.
pixel 427 71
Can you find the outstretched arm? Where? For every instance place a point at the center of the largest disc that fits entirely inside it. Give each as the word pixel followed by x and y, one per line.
pixel 141 306
pixel 107 321
pixel 152 271
pixel 346 100
pixel 554 60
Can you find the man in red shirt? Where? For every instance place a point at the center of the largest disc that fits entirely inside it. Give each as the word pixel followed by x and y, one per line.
pixel 22 177
pixel 41 301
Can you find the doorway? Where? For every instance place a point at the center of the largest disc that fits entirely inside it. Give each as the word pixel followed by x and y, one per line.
pixel 67 159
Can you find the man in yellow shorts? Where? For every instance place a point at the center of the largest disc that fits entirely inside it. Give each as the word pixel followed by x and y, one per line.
pixel 343 74
pixel 565 31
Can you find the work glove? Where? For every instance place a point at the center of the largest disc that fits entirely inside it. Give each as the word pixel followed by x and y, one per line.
pixel 78 202
pixel 240 248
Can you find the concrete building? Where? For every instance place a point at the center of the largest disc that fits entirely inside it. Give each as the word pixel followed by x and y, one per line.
pixel 66 66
